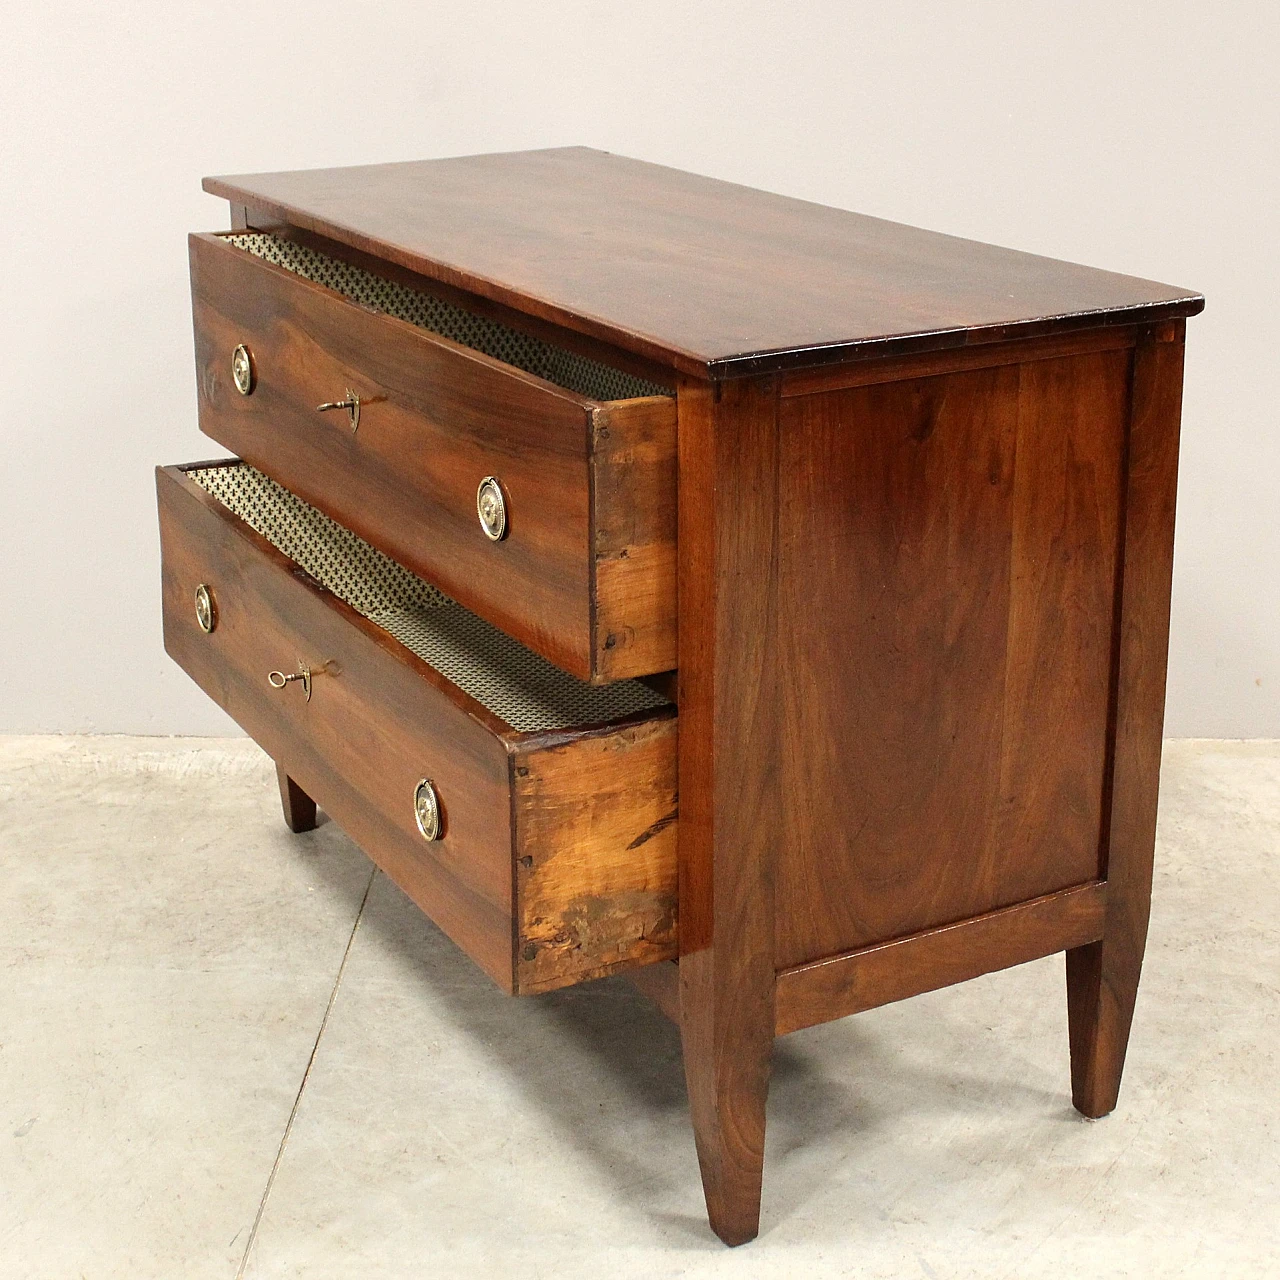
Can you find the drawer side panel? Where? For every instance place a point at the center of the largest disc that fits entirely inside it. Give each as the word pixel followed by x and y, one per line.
pixel 596 885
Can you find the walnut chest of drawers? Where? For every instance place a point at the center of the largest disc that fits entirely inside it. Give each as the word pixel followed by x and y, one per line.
pixel 660 577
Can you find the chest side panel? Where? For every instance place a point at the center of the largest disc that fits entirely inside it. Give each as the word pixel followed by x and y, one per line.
pixel 949 564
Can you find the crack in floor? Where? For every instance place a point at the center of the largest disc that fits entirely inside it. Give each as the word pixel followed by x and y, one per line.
pixel 306 1075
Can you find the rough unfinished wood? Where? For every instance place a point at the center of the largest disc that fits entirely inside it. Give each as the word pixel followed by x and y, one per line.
pixel 596 886
pixel 633 487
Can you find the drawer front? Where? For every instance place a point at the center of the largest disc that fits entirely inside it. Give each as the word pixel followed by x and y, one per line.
pixel 533 875
pixel 585 574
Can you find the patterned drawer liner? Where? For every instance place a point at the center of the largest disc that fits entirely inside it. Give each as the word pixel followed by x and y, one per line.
pixel 575 373
pixel 513 682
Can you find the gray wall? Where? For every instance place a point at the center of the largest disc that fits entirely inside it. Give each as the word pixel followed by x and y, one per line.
pixel 1140 137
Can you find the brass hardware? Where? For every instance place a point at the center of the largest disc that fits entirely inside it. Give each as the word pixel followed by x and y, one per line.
pixel 206 612
pixel 426 809
pixel 242 369
pixel 351 404
pixel 278 679
pixel 491 506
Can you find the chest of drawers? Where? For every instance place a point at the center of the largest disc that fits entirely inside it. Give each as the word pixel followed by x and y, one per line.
pixel 660 577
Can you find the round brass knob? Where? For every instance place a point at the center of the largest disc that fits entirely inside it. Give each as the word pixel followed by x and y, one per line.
pixel 206 613
pixel 492 509
pixel 242 369
pixel 426 809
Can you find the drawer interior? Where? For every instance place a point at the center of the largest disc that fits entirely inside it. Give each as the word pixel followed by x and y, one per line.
pixel 577 373
pixel 515 684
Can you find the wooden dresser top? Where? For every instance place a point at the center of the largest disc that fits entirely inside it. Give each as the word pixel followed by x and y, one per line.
pixel 711 278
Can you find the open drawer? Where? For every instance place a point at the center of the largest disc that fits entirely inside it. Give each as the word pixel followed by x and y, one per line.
pixel 531 815
pixel 534 484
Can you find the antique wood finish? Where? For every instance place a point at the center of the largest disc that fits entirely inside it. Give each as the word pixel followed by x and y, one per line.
pixel 585 575
pixel 889 971
pixel 380 719
pixel 595 819
pixel 730 820
pixel 299 808
pixel 1102 978
pixel 948 554
pixel 991 355
pixel 707 277
pixel 924 496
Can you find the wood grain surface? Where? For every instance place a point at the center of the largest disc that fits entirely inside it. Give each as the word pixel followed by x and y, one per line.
pixel 596 881
pixel 731 825
pixel 933 958
pixel 705 276
pixel 585 818
pixel 1102 978
pixel 948 571
pixel 437 418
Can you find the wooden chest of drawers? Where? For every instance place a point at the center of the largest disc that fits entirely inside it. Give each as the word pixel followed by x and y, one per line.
pixel 567 485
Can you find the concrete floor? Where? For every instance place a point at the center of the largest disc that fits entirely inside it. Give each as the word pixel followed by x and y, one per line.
pixel 227 1051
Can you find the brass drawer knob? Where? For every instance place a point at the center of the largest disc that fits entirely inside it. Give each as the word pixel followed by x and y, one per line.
pixel 426 809
pixel 206 610
pixel 492 509
pixel 242 369
pixel 351 404
pixel 279 680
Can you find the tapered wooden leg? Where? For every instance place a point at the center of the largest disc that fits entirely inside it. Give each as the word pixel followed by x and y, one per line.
pixel 299 808
pixel 729 779
pixel 726 1065
pixel 1102 978
pixel 1102 988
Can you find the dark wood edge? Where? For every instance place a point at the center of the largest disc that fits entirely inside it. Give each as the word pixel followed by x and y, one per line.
pixel 568 339
pixel 1103 979
pixel 659 983
pixel 461 699
pixel 665 683
pixel 413 332
pixel 513 810
pixel 593 586
pixel 814 357
pixel 871 976
pixel 932 364
pixel 549 739
pixel 687 362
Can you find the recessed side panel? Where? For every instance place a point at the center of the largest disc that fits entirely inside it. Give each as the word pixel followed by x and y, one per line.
pixel 949 559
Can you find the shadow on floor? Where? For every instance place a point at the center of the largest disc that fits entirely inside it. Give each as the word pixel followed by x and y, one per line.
pixel 605 1065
